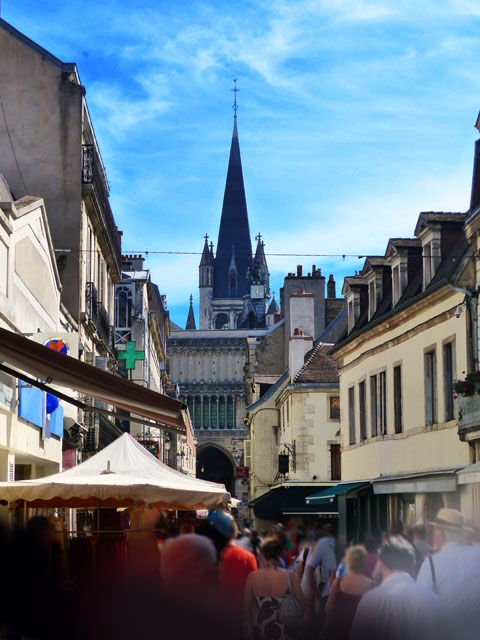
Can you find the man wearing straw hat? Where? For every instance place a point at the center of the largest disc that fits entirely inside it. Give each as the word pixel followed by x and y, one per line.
pixel 454 574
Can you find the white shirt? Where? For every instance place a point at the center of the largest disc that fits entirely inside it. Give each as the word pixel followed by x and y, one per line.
pixel 457 569
pixel 399 609
pixel 322 556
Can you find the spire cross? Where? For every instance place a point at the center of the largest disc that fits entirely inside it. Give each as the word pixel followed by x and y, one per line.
pixel 259 237
pixel 235 91
pixel 191 299
pixel 206 237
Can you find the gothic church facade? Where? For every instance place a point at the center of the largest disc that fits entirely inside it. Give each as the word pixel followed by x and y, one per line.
pixel 208 363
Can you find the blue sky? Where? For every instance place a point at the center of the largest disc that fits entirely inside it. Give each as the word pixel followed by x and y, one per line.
pixel 354 116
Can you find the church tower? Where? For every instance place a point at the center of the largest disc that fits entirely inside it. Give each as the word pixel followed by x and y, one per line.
pixel 205 284
pixel 234 291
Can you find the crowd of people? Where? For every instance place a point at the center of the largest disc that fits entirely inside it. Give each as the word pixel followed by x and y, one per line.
pixel 287 583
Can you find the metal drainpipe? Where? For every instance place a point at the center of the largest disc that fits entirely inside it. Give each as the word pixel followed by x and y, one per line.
pixel 471 301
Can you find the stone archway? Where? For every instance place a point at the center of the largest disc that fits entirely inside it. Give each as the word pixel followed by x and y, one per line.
pixel 215 465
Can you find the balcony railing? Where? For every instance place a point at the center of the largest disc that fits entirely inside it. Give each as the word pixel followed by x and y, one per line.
pixel 97 314
pixel 93 175
pixel 91 302
pixel 468 414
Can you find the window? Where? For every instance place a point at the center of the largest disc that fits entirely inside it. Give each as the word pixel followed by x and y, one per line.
pixel 448 379
pixel 373 405
pixel 214 412
pixel 362 414
pixel 371 299
pixel 206 412
pixel 198 413
pixel 397 398
pixel 334 408
pixel 221 321
pixel 396 285
pixel 221 412
pixel 430 388
pixel 335 462
pixel 232 285
pixel 351 414
pixel 230 413
pixel 351 320
pixel 383 402
pixel 124 295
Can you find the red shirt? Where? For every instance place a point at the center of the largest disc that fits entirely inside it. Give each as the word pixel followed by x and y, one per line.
pixel 235 565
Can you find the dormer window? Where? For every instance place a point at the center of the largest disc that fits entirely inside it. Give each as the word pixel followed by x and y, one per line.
pixel 397 287
pixel 351 318
pixel 372 299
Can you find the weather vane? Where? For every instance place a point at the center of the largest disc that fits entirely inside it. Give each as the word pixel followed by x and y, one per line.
pixel 235 105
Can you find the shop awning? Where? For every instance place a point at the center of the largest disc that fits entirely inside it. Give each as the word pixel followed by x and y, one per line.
pixel 120 475
pixel 469 474
pixel 329 495
pixel 288 500
pixel 425 482
pixel 19 355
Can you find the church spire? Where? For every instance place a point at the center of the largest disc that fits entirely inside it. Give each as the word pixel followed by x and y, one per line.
pixel 207 254
pixel 191 325
pixel 234 227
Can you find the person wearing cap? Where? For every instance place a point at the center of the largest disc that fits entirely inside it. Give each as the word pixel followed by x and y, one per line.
pixel 235 563
pixel 454 574
pixel 399 608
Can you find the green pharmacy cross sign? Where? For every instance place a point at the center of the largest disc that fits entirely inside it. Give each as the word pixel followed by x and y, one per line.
pixel 131 355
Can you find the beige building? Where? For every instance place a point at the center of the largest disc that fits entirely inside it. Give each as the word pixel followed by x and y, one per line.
pixel 294 419
pixel 406 343
pixel 31 424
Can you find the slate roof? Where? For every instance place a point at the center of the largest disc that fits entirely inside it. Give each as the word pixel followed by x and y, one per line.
pixel 405 242
pixel 273 307
pixel 448 269
pixel 234 228
pixel 319 366
pixel 438 216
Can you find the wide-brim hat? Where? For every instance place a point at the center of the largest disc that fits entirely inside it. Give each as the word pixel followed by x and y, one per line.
pixel 450 519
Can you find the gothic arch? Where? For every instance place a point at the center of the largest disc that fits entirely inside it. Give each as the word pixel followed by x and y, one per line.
pixel 215 463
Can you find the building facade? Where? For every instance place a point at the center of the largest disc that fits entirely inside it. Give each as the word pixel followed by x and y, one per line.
pixel 294 445
pixel 207 364
pixel 60 162
pixel 405 344
pixel 32 422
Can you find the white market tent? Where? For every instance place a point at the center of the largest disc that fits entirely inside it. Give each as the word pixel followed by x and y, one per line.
pixel 120 475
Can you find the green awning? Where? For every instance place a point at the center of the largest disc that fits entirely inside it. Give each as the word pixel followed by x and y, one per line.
pixel 329 495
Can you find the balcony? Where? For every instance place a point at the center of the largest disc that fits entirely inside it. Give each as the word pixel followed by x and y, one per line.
pixel 97 314
pixel 95 183
pixel 469 417
pixel 91 302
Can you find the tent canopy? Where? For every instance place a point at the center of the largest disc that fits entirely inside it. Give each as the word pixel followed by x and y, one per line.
pixel 119 475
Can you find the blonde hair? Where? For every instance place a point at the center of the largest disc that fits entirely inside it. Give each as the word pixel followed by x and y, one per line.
pixel 356 559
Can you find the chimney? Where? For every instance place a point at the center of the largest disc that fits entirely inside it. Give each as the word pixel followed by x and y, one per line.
pixel 299 345
pixel 302 316
pixel 331 289
pixel 137 262
pixel 119 236
pixel 299 270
